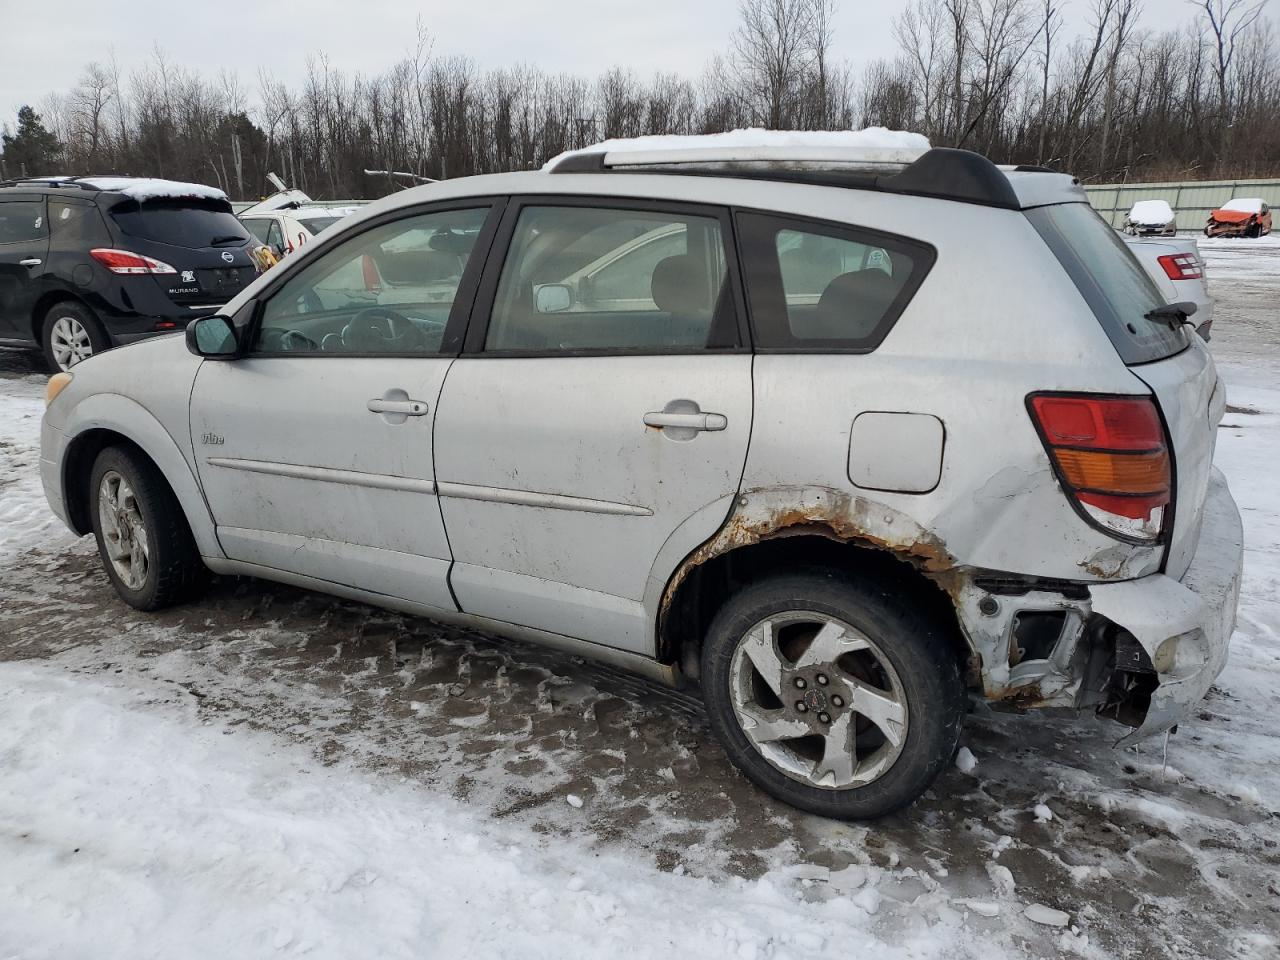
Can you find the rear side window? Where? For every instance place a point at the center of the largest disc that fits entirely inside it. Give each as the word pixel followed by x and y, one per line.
pixel 1112 282
pixel 181 223
pixel 826 287
pixel 22 220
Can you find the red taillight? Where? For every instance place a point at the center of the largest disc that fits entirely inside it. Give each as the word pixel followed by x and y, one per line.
pixel 1111 458
pixel 123 261
pixel 166 324
pixel 1181 266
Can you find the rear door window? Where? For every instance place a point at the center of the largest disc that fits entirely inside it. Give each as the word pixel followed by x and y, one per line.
pixel 77 224
pixel 826 287
pixel 1112 282
pixel 613 280
pixel 181 223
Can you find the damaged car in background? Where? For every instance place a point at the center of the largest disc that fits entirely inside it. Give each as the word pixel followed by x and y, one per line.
pixel 1240 217
pixel 839 430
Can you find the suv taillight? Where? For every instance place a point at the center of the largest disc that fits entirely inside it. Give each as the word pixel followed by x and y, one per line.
pixel 122 261
pixel 1111 458
pixel 1181 266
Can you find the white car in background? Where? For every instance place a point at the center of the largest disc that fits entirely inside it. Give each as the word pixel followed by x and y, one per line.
pixel 1151 218
pixel 285 230
pixel 1176 267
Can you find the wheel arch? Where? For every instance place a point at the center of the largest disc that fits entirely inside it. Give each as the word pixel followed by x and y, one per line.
pixel 105 420
pixel 45 303
pixel 772 531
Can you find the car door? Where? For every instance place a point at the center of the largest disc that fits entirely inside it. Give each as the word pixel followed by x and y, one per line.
pixel 315 449
pixel 578 435
pixel 24 251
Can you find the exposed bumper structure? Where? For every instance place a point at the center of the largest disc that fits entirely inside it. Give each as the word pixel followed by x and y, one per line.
pixel 1199 612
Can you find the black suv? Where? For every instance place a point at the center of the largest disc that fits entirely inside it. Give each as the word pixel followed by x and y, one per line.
pixel 89 263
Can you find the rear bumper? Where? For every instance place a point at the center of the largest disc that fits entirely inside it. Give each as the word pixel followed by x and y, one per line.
pixel 1199 610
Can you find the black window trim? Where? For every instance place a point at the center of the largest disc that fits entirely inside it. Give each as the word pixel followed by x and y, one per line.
pixel 464 297
pixel 925 256
pixel 499 250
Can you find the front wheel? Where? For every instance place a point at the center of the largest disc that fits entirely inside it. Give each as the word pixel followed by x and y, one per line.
pixel 143 539
pixel 832 694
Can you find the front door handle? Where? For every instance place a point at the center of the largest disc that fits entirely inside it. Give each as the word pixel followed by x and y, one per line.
pixel 31 262
pixel 686 421
pixel 407 408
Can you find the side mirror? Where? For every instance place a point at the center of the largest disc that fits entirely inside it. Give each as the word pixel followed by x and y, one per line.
pixel 213 338
pixel 552 297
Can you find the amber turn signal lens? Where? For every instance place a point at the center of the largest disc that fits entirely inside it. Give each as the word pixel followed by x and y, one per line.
pixel 1124 473
pixel 57 383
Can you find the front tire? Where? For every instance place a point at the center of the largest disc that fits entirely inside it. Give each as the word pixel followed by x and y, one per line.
pixel 833 695
pixel 143 538
pixel 70 334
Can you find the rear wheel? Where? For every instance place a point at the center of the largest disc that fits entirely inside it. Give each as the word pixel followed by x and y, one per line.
pixel 71 333
pixel 143 539
pixel 833 695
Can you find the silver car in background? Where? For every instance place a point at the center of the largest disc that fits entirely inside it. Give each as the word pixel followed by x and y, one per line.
pixel 838 436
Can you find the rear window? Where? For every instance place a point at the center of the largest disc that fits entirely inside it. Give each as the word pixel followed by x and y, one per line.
pixel 181 223
pixel 1110 279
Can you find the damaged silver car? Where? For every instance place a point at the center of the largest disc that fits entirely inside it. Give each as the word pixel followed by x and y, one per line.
pixel 840 436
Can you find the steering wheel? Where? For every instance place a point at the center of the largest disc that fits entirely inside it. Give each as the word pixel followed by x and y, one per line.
pixel 309 302
pixel 373 328
pixel 286 341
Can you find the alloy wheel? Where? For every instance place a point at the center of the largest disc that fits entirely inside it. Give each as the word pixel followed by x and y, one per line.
pixel 819 700
pixel 124 533
pixel 70 342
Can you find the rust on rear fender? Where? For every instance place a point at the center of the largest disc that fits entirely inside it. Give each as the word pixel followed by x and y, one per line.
pixel 766 514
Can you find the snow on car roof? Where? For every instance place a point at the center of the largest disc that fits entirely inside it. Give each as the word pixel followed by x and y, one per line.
pixel 145 188
pixel 873 144
pixel 1151 212
pixel 1244 204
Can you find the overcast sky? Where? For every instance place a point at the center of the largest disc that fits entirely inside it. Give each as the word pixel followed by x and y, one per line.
pixel 42 51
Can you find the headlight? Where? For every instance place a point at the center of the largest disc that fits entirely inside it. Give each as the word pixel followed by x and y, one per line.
pixel 57 383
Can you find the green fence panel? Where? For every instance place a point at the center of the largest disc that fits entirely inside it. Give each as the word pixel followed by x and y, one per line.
pixel 1192 200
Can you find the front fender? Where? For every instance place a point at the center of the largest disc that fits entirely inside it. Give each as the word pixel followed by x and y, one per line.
pixel 119 414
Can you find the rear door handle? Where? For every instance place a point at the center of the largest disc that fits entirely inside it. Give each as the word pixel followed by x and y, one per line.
pixel 408 408
pixel 31 262
pixel 686 421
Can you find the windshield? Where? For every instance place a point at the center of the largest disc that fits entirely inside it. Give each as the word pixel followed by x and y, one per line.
pixel 181 223
pixel 1110 279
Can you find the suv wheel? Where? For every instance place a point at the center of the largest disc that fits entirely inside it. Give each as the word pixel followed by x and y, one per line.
pixel 832 695
pixel 143 538
pixel 71 333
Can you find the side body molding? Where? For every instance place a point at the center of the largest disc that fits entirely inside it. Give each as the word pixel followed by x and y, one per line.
pixel 111 411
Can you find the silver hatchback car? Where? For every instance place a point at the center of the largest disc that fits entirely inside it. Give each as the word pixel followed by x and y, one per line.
pixel 839 437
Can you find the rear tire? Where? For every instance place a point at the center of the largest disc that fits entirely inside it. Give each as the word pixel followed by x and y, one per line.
pixel 143 538
pixel 880 686
pixel 69 334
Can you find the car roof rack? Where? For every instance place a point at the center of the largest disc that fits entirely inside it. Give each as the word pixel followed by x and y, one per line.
pixel 943 173
pixel 54 181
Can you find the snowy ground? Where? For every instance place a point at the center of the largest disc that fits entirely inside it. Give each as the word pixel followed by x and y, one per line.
pixel 276 773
